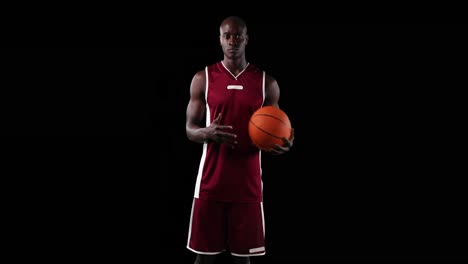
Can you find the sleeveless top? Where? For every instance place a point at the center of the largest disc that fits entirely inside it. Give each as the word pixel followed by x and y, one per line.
pixel 227 174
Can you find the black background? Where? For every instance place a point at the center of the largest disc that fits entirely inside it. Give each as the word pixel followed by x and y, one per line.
pixel 103 169
pixel 374 173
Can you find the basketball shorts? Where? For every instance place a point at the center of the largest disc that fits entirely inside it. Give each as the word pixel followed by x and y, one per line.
pixel 223 226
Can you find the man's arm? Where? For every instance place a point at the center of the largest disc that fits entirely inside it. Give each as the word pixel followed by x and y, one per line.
pixel 196 109
pixel 272 95
pixel 272 91
pixel 195 115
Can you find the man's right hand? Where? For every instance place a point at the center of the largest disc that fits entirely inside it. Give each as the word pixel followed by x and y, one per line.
pixel 219 133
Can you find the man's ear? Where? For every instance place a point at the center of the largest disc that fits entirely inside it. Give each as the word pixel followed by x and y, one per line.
pixel 246 39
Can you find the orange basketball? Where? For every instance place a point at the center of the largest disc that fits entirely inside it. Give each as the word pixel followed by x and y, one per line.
pixel 267 126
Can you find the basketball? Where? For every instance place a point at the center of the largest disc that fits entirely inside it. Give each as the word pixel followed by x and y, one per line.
pixel 267 126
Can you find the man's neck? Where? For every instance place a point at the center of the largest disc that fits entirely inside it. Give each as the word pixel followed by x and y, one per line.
pixel 235 65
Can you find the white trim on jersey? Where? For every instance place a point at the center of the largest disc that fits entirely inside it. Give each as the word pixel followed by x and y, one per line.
pixel 235 76
pixel 205 145
pixel 263 102
pixel 263 219
pixel 208 115
pixel 263 87
pixel 206 89
pixel 260 163
pixel 200 170
pixel 190 223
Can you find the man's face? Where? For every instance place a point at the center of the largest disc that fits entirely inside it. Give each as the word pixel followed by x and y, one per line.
pixel 233 39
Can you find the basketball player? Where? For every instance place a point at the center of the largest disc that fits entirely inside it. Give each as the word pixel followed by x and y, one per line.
pixel 227 210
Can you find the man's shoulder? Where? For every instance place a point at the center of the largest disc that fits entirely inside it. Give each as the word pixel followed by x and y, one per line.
pixel 208 66
pixel 255 68
pixel 213 65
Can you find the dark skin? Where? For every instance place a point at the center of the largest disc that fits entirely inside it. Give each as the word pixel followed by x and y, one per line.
pixel 233 39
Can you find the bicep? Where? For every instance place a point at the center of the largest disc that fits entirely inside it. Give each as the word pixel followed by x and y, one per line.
pixel 272 91
pixel 196 107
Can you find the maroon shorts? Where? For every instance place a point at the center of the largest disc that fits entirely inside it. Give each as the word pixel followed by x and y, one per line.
pixel 219 226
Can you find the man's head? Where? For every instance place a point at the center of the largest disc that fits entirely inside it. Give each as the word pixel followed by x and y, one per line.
pixel 233 36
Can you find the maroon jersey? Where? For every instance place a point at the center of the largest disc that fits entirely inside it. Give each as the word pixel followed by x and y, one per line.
pixel 227 174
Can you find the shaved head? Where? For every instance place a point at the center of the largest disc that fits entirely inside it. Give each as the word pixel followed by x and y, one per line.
pixel 235 20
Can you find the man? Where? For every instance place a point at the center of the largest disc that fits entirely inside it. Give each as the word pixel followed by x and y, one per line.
pixel 227 210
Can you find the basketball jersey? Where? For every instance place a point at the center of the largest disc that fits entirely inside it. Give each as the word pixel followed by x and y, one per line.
pixel 227 174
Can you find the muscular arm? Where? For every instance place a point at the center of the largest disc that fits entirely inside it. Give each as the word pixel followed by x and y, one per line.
pixel 195 115
pixel 272 95
pixel 272 91
pixel 196 109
